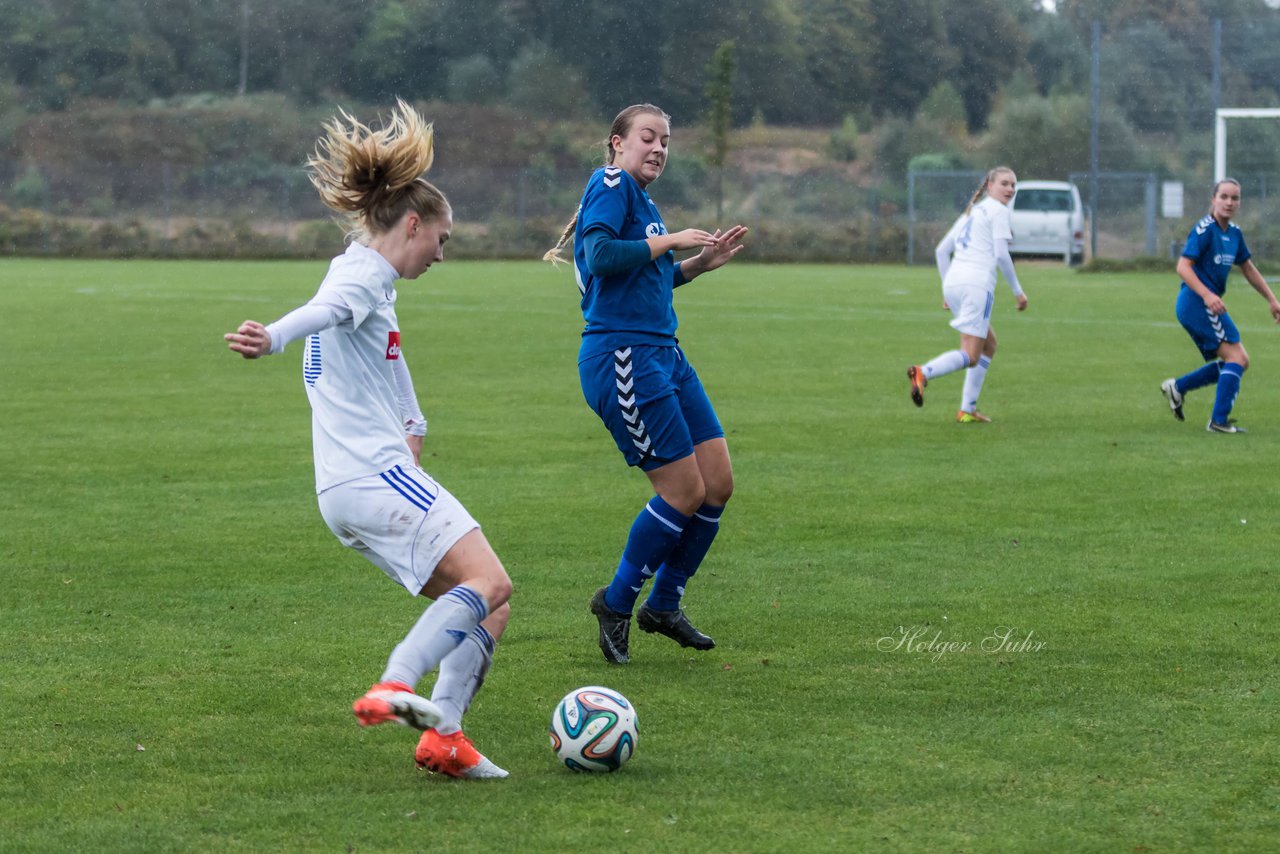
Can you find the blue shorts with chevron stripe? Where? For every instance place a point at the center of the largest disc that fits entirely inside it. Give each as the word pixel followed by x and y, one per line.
pixel 1209 331
pixel 652 402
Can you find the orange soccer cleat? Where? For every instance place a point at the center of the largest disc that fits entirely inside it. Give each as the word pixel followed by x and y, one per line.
pixel 395 702
pixel 915 373
pixel 455 756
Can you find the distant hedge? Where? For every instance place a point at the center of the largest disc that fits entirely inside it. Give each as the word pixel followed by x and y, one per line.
pixel 28 232
pixel 32 233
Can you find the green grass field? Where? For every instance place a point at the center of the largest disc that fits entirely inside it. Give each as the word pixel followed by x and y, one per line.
pixel 181 637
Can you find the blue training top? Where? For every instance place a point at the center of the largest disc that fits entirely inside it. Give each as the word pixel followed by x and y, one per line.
pixel 633 306
pixel 1214 252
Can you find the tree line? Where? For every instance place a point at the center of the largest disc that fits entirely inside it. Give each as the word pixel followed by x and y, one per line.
pixel 798 62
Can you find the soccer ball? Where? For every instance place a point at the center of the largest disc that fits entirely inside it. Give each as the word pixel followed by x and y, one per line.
pixel 594 729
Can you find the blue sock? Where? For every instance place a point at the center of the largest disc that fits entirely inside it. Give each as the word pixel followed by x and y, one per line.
pixel 1228 388
pixel 1206 374
pixel 655 532
pixel 685 558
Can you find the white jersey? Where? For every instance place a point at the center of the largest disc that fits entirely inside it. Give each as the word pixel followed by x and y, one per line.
pixel 356 423
pixel 973 263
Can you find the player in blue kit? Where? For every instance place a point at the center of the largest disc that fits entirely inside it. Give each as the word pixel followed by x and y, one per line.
pixel 638 381
pixel 1213 247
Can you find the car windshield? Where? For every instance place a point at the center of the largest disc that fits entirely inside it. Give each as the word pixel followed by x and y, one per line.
pixel 1042 200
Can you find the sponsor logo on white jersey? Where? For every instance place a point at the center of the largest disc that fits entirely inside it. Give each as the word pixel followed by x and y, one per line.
pixel 393 345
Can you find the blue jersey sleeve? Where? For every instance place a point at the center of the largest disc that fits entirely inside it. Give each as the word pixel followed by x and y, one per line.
pixel 606 204
pixel 1196 240
pixel 1243 254
pixel 608 256
pixel 677 275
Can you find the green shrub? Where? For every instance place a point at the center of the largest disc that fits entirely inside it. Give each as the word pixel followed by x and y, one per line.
pixel 935 161
pixel 844 141
pixel 31 190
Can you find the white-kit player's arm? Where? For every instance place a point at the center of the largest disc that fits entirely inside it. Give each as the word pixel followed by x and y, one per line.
pixel 1005 262
pixel 415 423
pixel 323 311
pixel 1001 237
pixel 253 340
pixel 942 255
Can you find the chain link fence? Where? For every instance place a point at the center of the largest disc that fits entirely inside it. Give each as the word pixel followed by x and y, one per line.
pixel 817 216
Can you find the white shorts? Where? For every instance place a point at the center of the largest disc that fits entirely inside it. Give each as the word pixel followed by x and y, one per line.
pixel 401 520
pixel 971 309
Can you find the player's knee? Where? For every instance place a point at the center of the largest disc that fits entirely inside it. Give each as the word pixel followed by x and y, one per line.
pixel 688 496
pixel 499 590
pixel 494 585
pixel 1234 356
pixel 695 499
pixel 719 493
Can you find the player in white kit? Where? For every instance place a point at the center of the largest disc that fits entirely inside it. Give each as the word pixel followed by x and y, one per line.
pixel 967 259
pixel 367 433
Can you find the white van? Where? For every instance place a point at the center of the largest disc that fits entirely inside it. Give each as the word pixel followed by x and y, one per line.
pixel 1048 220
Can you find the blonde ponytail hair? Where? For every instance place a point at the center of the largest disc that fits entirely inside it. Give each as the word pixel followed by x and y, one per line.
pixel 553 254
pixel 982 188
pixel 374 177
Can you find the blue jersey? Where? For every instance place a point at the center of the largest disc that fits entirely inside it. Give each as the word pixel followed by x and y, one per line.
pixel 1213 252
pixel 635 306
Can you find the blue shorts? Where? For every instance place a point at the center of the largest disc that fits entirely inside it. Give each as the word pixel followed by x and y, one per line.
pixel 1209 331
pixel 651 400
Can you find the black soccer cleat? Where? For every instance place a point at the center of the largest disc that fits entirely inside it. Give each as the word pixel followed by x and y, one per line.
pixel 615 630
pixel 673 624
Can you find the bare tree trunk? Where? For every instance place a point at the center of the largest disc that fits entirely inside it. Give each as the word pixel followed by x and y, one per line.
pixel 719 195
pixel 244 48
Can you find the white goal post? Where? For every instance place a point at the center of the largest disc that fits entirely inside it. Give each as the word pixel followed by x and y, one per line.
pixel 1220 132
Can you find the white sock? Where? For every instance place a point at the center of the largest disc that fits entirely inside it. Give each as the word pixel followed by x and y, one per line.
pixel 973 379
pixel 461 674
pixel 438 632
pixel 947 363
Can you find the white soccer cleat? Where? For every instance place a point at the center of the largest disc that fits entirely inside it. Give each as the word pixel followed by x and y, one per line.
pixel 1215 427
pixel 485 770
pixel 1171 393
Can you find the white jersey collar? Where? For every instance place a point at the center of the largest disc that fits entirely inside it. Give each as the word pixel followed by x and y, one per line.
pixel 388 273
